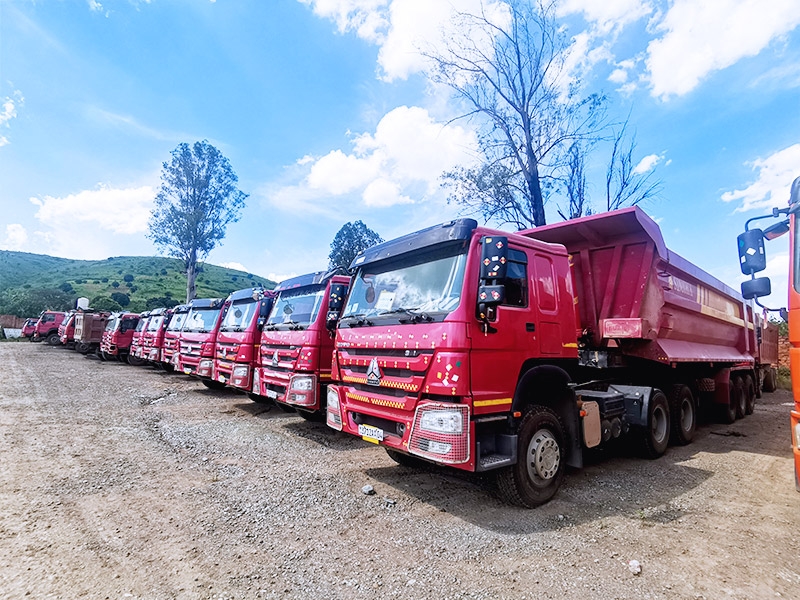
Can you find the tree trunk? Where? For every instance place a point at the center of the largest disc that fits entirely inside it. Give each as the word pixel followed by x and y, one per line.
pixel 191 275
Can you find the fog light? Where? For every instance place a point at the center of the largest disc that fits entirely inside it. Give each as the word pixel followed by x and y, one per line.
pixel 205 364
pixel 438 447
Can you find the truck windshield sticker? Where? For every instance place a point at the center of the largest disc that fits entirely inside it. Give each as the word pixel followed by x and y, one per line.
pixel 385 301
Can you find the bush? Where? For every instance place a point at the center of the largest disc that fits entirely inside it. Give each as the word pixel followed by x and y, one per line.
pixel 784 378
pixel 105 303
pixel 115 284
pixel 128 278
pixel 104 280
pixel 163 271
pixel 121 298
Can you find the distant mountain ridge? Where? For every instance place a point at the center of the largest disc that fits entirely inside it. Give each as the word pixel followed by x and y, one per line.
pixel 140 277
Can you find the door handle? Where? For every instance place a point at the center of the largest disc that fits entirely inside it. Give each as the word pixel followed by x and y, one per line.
pixel 530 327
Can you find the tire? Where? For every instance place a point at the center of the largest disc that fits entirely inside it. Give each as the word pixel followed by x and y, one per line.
pixel 770 380
pixel 741 396
pixel 82 347
pixel 750 395
pixel 213 385
pixel 654 438
pixel 53 339
pixel 728 412
pixel 683 411
pixel 259 399
pixel 315 416
pixel 406 460
pixel 135 361
pixel 539 471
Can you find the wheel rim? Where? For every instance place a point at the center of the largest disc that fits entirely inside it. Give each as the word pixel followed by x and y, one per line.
pixel 659 425
pixel 544 456
pixel 687 415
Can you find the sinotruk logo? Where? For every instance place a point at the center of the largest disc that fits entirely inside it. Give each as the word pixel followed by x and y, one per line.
pixel 373 373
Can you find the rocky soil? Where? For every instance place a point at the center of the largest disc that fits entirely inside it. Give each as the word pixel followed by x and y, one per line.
pixel 124 482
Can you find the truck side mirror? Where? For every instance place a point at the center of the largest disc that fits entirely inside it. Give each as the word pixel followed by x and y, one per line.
pixel 752 258
pixel 336 296
pixel 756 287
pixel 777 230
pixel 494 257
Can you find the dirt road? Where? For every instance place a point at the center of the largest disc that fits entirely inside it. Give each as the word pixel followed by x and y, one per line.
pixel 123 482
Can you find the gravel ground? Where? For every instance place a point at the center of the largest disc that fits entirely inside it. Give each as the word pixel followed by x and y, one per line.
pixel 124 482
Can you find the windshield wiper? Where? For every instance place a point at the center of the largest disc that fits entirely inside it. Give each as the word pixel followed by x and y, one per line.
pixel 359 320
pixel 416 317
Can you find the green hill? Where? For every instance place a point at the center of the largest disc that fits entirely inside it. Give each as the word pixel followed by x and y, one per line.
pixel 141 278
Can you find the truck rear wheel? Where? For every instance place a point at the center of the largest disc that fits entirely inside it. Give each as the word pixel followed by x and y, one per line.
pixel 750 395
pixel 770 380
pixel 654 437
pixel 741 396
pixel 539 471
pixel 684 414
pixel 728 412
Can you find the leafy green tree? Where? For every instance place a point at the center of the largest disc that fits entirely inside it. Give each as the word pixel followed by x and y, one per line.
pixel 115 284
pixel 351 239
pixel 128 277
pixel 29 302
pixel 121 298
pixel 105 303
pixel 197 200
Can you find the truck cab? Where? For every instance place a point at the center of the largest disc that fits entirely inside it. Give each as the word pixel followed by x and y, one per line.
pixel 47 327
pixel 28 328
pixel 136 350
pixel 198 337
pixel 172 337
pixel 153 338
pixel 116 341
pixel 66 331
pixel 236 352
pixel 297 342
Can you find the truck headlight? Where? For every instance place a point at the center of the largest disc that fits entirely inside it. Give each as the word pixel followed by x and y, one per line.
pixel 240 371
pixel 333 398
pixel 303 383
pixel 441 421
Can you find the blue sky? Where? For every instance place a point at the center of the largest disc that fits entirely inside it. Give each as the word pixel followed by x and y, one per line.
pixel 324 109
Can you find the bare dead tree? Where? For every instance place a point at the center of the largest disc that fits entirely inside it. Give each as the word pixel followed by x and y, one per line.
pixel 624 185
pixel 516 89
pixel 575 184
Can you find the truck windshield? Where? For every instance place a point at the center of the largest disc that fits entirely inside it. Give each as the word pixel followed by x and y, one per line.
pixel 407 287
pixel 201 319
pixel 298 307
pixel 238 315
pixel 111 324
pixel 141 325
pixel 176 322
pixel 154 324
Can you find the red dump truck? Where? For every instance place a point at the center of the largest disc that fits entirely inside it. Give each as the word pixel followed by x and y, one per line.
pixel 89 327
pixel 28 328
pixel 297 342
pixel 236 351
pixel 515 352
pixel 47 327
pixel 198 337
pixel 154 335
pixel 172 337
pixel 752 258
pixel 66 331
pixel 118 334
pixel 136 350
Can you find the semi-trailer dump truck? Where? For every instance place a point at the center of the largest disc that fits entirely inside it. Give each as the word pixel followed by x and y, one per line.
pixel 172 337
pixel 515 352
pixel 198 337
pixel 297 342
pixel 752 258
pixel 116 341
pixel 47 327
pixel 236 352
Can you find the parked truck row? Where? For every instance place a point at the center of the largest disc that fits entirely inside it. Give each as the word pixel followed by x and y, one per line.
pixel 481 350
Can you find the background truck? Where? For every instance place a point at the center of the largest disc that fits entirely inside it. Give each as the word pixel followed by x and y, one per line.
pixel 136 350
pixel 89 327
pixel 515 352
pixel 297 342
pixel 172 337
pixel 198 337
pixel 236 352
pixel 753 259
pixel 47 327
pixel 28 328
pixel 118 334
pixel 153 338
pixel 66 331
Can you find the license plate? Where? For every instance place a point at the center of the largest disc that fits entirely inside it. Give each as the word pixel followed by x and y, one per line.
pixel 370 433
pixel 271 394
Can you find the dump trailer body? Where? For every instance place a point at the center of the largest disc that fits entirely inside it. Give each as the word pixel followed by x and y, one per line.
pixel 633 292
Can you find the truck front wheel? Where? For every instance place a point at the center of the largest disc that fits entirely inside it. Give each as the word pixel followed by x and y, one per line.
pixel 539 471
pixel 53 339
pixel 654 437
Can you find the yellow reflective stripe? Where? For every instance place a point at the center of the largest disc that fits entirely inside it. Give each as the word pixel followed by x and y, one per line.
pixel 492 402
pixel 571 345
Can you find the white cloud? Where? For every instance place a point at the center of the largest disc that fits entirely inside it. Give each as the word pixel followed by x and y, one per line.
pixel 608 14
pixel 8 111
pixel 648 163
pixel 16 237
pixel 775 175
pixel 234 265
pixel 278 277
pixel 123 211
pixel 400 163
pixel 702 37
